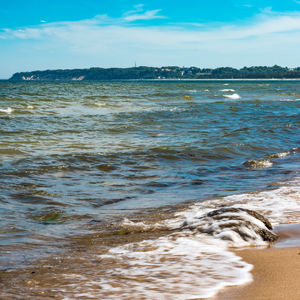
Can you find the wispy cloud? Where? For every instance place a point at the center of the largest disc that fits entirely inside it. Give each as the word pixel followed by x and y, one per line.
pixel 139 13
pixel 105 41
pixel 147 15
pixel 137 9
pixel 198 32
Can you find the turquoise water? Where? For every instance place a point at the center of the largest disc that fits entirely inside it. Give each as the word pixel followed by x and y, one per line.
pixel 75 152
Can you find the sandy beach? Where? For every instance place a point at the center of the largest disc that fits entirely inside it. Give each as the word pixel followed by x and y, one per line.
pixel 276 270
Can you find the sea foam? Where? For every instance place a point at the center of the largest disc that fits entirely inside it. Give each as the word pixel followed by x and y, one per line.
pixel 195 260
pixel 227 90
pixel 233 96
pixel 8 110
pixel 177 266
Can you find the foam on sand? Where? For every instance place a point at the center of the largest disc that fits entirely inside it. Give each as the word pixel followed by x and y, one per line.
pixel 178 266
pixel 186 264
pixel 195 260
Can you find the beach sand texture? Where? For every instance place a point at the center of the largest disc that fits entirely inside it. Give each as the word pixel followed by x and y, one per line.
pixel 276 271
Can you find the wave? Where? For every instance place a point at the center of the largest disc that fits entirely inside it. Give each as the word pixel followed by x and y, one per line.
pixel 8 110
pixel 279 155
pixel 258 164
pixel 100 104
pixel 174 267
pixel 11 152
pixel 266 163
pixel 233 96
pixel 194 261
pixel 227 90
pixel 280 205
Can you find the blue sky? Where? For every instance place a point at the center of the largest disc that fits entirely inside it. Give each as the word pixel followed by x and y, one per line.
pixel 39 35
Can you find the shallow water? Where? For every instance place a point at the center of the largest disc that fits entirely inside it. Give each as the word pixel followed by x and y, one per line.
pixel 78 158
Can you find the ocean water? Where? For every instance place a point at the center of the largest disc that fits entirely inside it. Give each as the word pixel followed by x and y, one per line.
pixel 110 183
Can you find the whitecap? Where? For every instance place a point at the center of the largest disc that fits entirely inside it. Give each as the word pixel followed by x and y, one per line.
pixel 279 155
pixel 258 164
pixel 280 205
pixel 100 104
pixel 227 90
pixel 233 96
pixel 8 110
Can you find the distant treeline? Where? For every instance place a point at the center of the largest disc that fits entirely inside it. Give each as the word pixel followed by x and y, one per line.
pixel 170 72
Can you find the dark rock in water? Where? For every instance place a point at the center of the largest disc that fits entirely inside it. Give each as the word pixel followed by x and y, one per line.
pixel 230 223
pixel 236 210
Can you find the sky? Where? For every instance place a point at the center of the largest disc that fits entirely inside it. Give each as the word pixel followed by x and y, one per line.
pixel 67 34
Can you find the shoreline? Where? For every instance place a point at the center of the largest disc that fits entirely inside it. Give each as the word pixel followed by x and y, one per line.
pixel 157 80
pixel 218 79
pixel 276 270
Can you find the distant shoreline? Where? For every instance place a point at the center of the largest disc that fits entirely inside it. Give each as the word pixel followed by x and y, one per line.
pixel 220 79
pixel 161 74
pixel 160 80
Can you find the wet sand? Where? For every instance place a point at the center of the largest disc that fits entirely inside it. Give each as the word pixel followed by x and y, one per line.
pixel 276 271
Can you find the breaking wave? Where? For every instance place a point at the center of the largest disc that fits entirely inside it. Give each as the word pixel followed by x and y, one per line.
pixel 8 110
pixel 227 90
pixel 233 96
pixel 195 259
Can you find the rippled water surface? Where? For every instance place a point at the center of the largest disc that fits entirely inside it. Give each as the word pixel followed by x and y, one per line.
pixel 76 153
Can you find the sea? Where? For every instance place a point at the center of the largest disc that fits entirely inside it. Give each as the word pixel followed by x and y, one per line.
pixel 106 187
